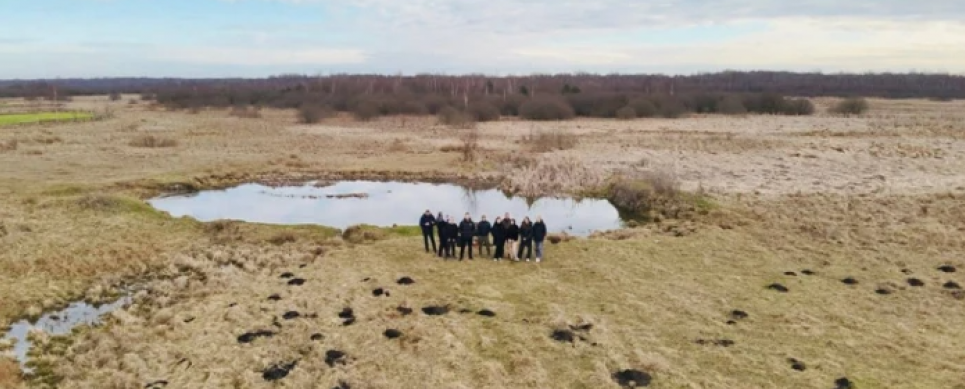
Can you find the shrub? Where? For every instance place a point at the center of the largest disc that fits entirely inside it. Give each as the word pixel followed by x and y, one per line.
pixel 850 106
pixel 510 106
pixel 671 107
pixel 470 145
pixel 455 118
pixel 483 111
pixel 552 140
pixel 152 141
pixel 310 113
pixel 367 110
pixel 363 233
pixel 626 113
pixel 798 107
pixel 435 103
pixel 645 194
pixel 644 107
pixel 546 108
pixel 731 105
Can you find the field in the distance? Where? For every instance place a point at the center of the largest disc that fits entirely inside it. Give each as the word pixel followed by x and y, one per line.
pixel 879 198
pixel 42 117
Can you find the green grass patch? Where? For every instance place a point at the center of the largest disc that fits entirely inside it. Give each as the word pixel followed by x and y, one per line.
pixel 42 117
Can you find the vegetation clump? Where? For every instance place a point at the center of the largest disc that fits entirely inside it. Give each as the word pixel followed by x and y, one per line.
pixel 850 106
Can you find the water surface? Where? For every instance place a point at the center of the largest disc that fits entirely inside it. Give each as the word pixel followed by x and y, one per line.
pixel 58 323
pixel 386 204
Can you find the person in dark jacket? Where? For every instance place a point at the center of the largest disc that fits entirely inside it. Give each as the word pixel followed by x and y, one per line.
pixel 467 229
pixel 525 239
pixel 499 238
pixel 512 236
pixel 483 229
pixel 452 234
pixel 441 232
pixel 539 235
pixel 426 222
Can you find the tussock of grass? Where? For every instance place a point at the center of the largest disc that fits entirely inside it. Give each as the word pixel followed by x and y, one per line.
pixel 654 196
pixel 547 141
pixel 151 141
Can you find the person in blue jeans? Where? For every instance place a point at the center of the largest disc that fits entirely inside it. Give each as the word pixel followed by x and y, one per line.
pixel 539 235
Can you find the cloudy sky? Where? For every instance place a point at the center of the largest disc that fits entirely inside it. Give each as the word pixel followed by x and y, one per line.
pixel 252 38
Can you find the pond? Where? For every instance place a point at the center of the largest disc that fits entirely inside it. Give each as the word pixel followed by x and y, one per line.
pixel 347 203
pixel 58 323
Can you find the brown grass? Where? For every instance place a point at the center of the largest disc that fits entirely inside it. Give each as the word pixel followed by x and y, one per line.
pixel 151 141
pixel 547 141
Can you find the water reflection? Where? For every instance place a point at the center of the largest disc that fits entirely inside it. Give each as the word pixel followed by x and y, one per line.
pixel 387 203
pixel 58 323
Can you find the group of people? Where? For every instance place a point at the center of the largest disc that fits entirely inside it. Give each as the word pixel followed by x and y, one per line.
pixel 508 238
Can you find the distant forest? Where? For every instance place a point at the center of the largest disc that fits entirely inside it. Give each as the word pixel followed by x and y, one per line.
pixel 574 94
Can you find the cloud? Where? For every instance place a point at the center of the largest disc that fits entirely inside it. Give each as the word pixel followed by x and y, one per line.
pixel 261 56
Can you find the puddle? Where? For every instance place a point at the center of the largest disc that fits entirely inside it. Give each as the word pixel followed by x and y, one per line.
pixel 384 204
pixel 58 323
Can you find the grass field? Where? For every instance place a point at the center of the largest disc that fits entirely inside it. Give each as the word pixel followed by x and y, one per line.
pixel 42 117
pixel 879 198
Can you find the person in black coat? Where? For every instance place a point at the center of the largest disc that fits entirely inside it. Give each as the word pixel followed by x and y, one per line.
pixel 499 238
pixel 452 235
pixel 512 236
pixel 539 235
pixel 483 229
pixel 426 222
pixel 525 239
pixel 441 232
pixel 467 229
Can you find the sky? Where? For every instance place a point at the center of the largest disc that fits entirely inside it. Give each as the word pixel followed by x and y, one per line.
pixel 258 38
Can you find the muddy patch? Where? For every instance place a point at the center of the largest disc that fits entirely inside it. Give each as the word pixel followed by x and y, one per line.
pixel 632 378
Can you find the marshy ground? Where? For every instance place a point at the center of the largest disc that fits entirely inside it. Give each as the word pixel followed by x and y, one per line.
pixel 753 297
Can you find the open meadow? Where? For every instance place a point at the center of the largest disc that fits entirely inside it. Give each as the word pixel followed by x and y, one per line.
pixel 828 253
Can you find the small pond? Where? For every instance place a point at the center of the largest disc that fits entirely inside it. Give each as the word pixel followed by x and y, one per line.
pixel 58 323
pixel 384 204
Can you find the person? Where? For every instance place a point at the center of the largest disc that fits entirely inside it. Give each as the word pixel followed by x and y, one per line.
pixel 512 236
pixel 442 229
pixel 525 239
pixel 467 229
pixel 499 238
pixel 452 234
pixel 426 222
pixel 539 235
pixel 483 229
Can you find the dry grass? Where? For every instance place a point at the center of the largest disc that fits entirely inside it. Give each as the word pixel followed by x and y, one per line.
pixel 151 141
pixel 547 141
pixel 863 206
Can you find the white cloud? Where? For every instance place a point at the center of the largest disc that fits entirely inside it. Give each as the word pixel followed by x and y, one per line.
pixel 256 56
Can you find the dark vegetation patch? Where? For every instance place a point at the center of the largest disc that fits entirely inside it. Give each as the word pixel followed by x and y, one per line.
pixel 287 275
pixel 405 281
pixel 947 269
pixel 849 281
pixel 916 282
pixel 333 357
pixel 843 383
pixel 951 285
pixel 392 333
pixel 632 378
pixel 296 281
pixel 797 365
pixel 715 342
pixel 278 371
pixel 777 287
pixel 435 310
pixel 486 312
pixel 249 337
pixel 405 311
pixel 274 297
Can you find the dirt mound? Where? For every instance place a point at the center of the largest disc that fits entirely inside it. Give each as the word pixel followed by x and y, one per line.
pixel 249 337
pixel 405 281
pixel 287 275
pixel 916 282
pixel 156 384
pixel 392 333
pixel 333 357
pixel 843 383
pixel 951 285
pixel 278 371
pixel 947 269
pixel 290 315
pixel 405 311
pixel 486 312
pixel 850 281
pixel 790 273
pixel 632 378
pixel 348 315
pixel 274 297
pixel 435 310
pixel 565 336
pixel 738 314
pixel 296 281
pixel 807 272
pixel 379 291
pixel 796 364
pixel 777 287
pixel 883 291
pixel 316 337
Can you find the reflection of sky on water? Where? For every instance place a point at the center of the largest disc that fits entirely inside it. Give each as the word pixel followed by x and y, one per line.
pixel 58 323
pixel 388 203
